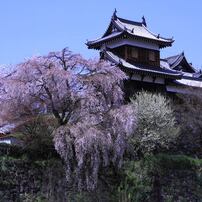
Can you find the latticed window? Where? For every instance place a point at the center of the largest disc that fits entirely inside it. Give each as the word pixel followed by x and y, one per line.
pixel 134 53
pixel 152 56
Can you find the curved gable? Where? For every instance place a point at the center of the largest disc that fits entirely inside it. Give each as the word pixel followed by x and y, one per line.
pixel 180 63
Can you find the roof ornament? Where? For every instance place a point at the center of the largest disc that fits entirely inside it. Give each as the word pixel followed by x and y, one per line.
pixel 132 31
pixel 144 21
pixel 182 53
pixel 104 47
pixel 158 36
pixel 114 17
pixel 87 41
pixel 120 62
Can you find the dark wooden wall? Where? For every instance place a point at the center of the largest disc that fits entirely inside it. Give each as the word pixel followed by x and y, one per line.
pixel 125 52
pixel 131 87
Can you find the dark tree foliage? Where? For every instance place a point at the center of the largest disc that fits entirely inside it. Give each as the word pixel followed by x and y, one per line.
pixel 188 112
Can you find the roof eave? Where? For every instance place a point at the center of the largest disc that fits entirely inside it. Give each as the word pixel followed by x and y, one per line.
pixel 179 59
pixel 142 71
pixel 150 73
pixel 124 34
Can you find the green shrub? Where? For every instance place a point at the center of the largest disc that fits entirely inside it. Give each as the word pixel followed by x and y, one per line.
pixel 156 126
pixel 135 185
pixel 158 175
pixel 38 138
pixel 34 198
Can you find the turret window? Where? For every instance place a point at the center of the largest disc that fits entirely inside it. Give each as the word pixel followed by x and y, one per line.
pixel 134 53
pixel 138 55
pixel 152 56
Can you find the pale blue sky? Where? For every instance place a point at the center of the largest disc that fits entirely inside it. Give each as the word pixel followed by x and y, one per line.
pixel 33 27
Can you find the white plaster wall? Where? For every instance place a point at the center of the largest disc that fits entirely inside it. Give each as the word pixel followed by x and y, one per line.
pixel 148 79
pixel 136 77
pixel 5 141
pixel 160 80
pixel 177 89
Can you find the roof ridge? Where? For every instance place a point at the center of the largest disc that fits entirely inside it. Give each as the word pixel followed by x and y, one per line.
pixel 177 59
pixel 105 37
pixel 113 17
pixel 105 33
pixel 130 21
pixel 134 29
pixel 158 36
pixel 177 55
pixel 122 20
pixel 188 62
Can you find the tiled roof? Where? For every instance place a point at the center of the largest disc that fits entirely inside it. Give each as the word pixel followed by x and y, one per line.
pixel 132 29
pixel 189 82
pixel 175 60
pixel 6 128
pixel 105 38
pixel 139 29
pixel 142 69
pixel 164 64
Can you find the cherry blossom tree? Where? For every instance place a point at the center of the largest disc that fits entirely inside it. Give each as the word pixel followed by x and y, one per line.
pixel 86 98
pixel 43 83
